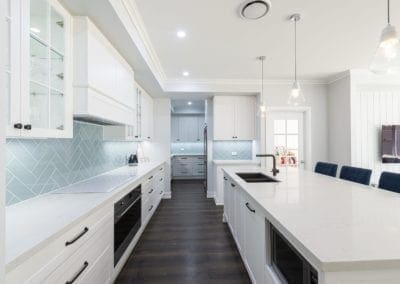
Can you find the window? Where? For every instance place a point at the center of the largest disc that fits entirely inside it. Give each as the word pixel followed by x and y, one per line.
pixel 286 141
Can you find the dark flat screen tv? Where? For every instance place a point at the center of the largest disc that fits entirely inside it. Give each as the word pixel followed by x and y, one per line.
pixel 391 144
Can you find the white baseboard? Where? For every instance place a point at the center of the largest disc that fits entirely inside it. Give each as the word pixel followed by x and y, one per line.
pixel 210 194
pixel 167 195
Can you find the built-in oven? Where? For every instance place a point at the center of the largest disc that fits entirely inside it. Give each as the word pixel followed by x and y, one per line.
pixel 289 265
pixel 127 221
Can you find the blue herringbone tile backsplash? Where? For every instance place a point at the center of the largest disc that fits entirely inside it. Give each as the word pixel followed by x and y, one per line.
pixel 222 150
pixel 187 148
pixel 37 166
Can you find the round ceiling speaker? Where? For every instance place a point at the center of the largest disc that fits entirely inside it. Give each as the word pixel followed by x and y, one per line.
pixel 255 9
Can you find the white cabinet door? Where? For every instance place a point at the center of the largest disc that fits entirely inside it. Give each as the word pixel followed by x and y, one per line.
pixel 40 73
pixel 255 241
pixel 239 219
pixel 224 118
pixel 245 118
pixel 146 116
pixel 200 128
pixel 188 128
pixel 175 137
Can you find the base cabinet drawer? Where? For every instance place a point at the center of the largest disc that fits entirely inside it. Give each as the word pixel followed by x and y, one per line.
pixel 92 257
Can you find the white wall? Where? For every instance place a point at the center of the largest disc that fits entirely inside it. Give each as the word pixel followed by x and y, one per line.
pixel 2 141
pixel 375 101
pixel 339 129
pixel 160 147
pixel 317 99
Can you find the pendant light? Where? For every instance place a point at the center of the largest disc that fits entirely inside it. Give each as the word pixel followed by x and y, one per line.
pixel 296 96
pixel 262 110
pixel 387 56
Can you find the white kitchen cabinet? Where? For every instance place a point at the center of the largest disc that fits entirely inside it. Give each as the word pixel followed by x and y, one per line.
pixel 254 249
pixel 187 128
pixel 239 219
pixel 247 225
pixel 119 133
pixel 188 167
pixel 145 115
pixel 39 70
pixel 234 118
pixel 104 86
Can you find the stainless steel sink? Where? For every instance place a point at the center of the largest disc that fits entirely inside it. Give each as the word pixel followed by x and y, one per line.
pixel 256 177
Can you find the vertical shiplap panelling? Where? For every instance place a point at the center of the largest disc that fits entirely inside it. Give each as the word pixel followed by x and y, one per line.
pixel 373 106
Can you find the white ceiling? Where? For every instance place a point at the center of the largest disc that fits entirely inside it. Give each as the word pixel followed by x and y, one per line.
pixel 333 36
pixel 182 107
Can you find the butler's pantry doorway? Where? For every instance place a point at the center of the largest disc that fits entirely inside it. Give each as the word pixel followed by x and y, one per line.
pixel 287 136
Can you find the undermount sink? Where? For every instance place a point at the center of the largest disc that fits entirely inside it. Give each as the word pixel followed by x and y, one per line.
pixel 256 177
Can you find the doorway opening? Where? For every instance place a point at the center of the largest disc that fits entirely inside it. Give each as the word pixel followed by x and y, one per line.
pixel 287 136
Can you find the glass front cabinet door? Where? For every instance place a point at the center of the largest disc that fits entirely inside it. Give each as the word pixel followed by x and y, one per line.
pixel 42 105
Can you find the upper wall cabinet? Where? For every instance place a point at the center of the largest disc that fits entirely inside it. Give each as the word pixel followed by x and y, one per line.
pixel 187 128
pixel 104 86
pixel 145 115
pixel 234 118
pixel 38 69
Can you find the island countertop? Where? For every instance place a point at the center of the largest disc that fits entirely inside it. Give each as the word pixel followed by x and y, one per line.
pixel 336 224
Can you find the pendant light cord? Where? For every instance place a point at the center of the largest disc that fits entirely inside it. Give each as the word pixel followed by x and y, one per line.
pixel 388 11
pixel 262 80
pixel 295 50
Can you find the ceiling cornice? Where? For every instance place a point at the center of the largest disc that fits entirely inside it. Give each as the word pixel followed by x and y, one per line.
pixel 130 17
pixel 132 20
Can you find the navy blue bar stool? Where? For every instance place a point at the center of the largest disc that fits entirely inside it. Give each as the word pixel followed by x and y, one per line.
pixel 354 174
pixel 327 169
pixel 390 181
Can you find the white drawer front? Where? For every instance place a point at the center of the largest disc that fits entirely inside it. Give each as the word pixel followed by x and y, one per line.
pixel 55 254
pixel 84 262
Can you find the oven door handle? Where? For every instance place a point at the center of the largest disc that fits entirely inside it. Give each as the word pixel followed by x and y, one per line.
pixel 129 207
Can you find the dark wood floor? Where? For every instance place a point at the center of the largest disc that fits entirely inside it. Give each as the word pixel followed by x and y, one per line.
pixel 185 242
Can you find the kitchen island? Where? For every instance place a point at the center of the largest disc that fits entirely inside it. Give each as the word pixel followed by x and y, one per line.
pixel 346 232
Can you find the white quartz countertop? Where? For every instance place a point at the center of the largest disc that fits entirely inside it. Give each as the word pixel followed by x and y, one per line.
pixel 32 224
pixel 336 224
pixel 236 162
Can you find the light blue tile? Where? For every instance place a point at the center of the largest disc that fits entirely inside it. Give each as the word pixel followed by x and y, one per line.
pixel 222 150
pixel 42 165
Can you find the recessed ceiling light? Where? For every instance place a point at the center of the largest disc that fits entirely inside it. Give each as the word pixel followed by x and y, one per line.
pixel 35 30
pixel 181 34
pixel 189 103
pixel 185 73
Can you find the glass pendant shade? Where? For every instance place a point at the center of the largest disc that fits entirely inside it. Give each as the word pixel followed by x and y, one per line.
pixel 387 56
pixel 296 96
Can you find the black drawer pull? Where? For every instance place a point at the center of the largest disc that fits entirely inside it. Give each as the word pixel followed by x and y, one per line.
pixel 151 208
pixel 225 178
pixel 18 125
pixel 161 179
pixel 233 185
pixel 151 191
pixel 251 209
pixel 85 265
pixel 151 177
pixel 162 191
pixel 77 237
pixel 161 169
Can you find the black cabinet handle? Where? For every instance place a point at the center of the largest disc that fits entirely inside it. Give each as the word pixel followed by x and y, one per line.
pixel 148 137
pixel 136 136
pixel 251 209
pixel 151 208
pixel 225 178
pixel 18 125
pixel 161 179
pixel 151 177
pixel 233 185
pixel 28 127
pixel 162 191
pixel 151 191
pixel 161 169
pixel 80 235
pixel 85 265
